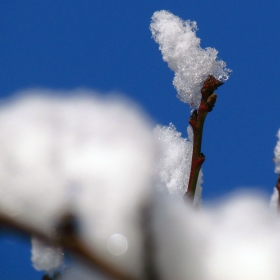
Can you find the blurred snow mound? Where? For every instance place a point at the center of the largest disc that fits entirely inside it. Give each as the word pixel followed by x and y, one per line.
pixel 79 154
pixel 237 239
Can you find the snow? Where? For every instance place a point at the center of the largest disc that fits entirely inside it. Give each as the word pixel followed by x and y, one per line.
pixel 174 163
pixel 180 48
pixel 237 239
pixel 173 167
pixel 274 200
pixel 95 158
pixel 277 154
pixel 77 153
pixel 45 257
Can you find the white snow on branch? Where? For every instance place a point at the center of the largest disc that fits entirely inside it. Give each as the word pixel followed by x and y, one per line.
pixel 45 257
pixel 277 154
pixel 174 164
pixel 173 167
pixel 85 155
pixel 181 49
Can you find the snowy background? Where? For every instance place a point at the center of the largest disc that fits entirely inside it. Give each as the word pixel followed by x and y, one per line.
pixel 107 46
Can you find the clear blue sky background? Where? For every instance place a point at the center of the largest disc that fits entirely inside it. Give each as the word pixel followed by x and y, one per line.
pixel 107 45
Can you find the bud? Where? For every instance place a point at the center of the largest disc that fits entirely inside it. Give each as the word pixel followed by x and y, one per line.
pixel 211 100
pixel 210 84
pixel 193 119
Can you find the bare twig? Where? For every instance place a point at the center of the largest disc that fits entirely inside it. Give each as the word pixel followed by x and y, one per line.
pixel 69 240
pixel 196 121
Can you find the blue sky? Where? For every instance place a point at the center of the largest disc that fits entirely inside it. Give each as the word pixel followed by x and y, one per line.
pixel 107 46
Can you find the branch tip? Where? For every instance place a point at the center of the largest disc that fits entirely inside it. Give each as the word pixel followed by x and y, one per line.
pixel 197 120
pixel 209 86
pixel 211 100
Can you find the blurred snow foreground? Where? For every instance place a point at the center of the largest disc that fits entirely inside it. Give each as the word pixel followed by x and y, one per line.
pixel 92 157
pixel 100 160
pixel 87 156
pixel 181 50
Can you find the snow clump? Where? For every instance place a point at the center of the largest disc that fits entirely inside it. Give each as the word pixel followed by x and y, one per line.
pixel 277 154
pixel 181 49
pixel 173 167
pixel 174 164
pixel 45 257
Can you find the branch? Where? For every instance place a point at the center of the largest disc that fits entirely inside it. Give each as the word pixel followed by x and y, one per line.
pixel 196 121
pixel 69 240
pixel 150 267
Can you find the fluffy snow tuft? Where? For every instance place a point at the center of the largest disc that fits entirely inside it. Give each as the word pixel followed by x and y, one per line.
pixel 174 164
pixel 45 257
pixel 198 191
pixel 181 50
pixel 277 154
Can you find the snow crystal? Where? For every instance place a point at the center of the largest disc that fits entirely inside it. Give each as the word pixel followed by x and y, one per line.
pixel 174 163
pixel 277 154
pixel 45 257
pixel 274 200
pixel 173 166
pixel 181 50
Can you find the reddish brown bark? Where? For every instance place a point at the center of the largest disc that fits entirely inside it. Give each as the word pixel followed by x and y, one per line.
pixel 208 100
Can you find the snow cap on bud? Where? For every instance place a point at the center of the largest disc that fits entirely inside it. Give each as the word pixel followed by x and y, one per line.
pixel 181 50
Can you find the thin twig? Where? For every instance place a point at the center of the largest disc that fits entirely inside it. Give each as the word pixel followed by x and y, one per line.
pixel 71 242
pixel 196 121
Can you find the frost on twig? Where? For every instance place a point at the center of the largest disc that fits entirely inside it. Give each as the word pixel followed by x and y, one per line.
pixel 181 49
